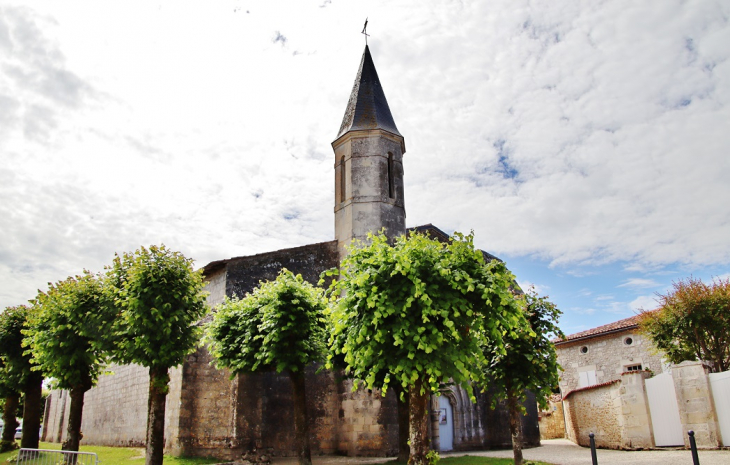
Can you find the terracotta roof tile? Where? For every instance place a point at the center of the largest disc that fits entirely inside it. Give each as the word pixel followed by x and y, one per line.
pixel 626 323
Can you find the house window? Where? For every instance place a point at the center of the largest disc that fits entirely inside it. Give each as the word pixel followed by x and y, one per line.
pixel 632 368
pixel 584 350
pixel 391 168
pixel 628 341
pixel 343 180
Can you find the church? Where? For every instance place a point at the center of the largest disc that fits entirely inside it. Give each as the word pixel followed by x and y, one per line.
pixel 208 413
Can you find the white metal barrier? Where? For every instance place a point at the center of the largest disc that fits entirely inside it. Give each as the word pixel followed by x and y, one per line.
pixel 55 457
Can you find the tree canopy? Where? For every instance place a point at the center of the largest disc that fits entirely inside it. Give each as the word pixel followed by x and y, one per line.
pixel 157 297
pixel 67 333
pixel 279 326
pixel 419 310
pixel 529 362
pixel 417 313
pixel 15 369
pixel 68 337
pixel 692 322
pixel 23 369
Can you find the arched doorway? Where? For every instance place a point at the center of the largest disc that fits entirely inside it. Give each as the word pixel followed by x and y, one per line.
pixel 446 424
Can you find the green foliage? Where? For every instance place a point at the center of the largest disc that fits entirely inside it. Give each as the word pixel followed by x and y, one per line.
pixel 67 330
pixel 530 361
pixel 692 322
pixel 280 325
pixel 15 363
pixel 432 457
pixel 418 310
pixel 157 298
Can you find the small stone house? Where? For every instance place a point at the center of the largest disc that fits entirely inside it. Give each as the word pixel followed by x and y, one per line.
pixel 209 413
pixel 602 354
pixel 616 386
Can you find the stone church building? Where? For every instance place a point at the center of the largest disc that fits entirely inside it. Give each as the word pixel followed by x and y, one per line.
pixel 210 414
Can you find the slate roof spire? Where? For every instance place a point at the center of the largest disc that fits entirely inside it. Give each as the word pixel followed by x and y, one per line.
pixel 367 108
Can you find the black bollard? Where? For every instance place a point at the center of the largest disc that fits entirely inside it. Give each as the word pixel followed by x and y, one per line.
pixel 693 447
pixel 593 449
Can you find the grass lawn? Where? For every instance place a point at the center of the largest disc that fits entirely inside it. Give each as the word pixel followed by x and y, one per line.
pixel 135 456
pixel 117 456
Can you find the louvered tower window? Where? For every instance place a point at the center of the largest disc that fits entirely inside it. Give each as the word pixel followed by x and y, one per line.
pixel 343 180
pixel 391 186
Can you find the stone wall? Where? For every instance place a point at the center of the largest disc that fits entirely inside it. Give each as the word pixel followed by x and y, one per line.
pixel 608 355
pixel 115 411
pixel 215 284
pixel 243 274
pixel 619 415
pixel 594 410
pixel 551 421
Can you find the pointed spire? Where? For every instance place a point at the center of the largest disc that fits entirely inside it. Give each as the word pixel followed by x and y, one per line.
pixel 367 108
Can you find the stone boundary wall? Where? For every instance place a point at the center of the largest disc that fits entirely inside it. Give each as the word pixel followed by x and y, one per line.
pixel 617 412
pixel 595 411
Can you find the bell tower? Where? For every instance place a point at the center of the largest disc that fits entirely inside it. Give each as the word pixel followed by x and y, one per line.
pixel 368 163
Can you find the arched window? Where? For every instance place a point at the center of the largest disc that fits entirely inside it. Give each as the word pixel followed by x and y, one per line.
pixel 343 180
pixel 391 169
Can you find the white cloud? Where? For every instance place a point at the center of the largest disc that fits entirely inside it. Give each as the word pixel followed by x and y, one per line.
pixel 576 133
pixel 639 283
pixel 644 302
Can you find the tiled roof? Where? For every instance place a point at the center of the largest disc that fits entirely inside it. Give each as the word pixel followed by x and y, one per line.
pixel 616 326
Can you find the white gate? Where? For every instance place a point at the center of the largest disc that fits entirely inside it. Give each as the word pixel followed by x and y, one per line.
pixel 664 411
pixel 720 385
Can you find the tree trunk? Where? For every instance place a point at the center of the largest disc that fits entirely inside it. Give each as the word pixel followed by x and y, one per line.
pixel 11 409
pixel 418 417
pixel 301 423
pixel 73 431
pixel 515 426
pixel 159 384
pixel 32 411
pixel 404 450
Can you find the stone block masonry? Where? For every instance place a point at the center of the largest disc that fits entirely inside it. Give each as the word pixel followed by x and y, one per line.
pixel 619 415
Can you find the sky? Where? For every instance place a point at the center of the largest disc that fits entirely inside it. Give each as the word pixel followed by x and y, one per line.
pixel 584 143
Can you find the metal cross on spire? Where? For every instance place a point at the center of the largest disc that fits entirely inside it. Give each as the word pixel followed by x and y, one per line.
pixel 365 32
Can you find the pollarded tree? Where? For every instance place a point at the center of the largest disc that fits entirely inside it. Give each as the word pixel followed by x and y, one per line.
pixel 280 326
pixel 158 298
pixel 416 314
pixel 692 322
pixel 8 391
pixel 69 337
pixel 22 370
pixel 529 363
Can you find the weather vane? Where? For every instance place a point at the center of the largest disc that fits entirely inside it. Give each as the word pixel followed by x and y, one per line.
pixel 365 32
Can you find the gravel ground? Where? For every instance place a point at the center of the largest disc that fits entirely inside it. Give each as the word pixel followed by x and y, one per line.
pixel 564 452
pixel 558 452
